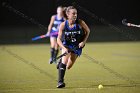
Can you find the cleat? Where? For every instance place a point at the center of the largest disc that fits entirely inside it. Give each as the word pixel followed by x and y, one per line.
pixel 50 61
pixel 61 85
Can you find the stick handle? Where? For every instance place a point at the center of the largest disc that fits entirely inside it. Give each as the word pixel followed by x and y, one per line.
pixel 64 54
pixel 39 37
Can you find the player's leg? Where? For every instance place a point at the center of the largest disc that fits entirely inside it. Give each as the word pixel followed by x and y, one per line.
pixel 56 49
pixel 61 70
pixel 52 51
pixel 67 62
pixel 73 56
pixel 71 60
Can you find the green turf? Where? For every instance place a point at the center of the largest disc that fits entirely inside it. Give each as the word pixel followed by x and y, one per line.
pixel 115 65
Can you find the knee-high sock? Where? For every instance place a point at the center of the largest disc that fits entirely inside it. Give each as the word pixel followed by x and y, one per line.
pixel 52 53
pixel 57 66
pixel 55 53
pixel 61 72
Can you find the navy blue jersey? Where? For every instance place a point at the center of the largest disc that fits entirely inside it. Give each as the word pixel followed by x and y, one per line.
pixel 56 24
pixel 74 35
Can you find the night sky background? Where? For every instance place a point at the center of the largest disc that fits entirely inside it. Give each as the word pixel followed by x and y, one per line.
pixel 91 11
pixel 41 10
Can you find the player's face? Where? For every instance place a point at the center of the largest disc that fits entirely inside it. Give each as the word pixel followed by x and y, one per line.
pixel 59 10
pixel 72 15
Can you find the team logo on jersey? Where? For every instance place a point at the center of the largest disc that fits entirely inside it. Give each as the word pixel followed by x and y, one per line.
pixel 71 36
pixel 73 33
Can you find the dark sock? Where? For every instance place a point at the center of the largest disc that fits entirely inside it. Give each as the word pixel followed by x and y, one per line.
pixel 57 66
pixel 61 72
pixel 55 53
pixel 52 53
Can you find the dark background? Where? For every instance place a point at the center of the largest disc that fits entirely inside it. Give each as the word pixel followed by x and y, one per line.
pixel 102 16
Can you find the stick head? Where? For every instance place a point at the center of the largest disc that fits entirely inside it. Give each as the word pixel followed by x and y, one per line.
pixel 124 21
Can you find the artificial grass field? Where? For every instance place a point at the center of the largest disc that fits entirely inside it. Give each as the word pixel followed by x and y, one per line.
pixel 115 65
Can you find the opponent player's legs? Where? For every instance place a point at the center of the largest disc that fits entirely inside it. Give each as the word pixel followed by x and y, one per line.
pixel 54 48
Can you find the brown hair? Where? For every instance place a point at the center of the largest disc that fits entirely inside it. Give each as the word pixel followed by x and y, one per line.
pixel 64 12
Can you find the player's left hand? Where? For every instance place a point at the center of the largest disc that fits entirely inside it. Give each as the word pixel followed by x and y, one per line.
pixel 48 34
pixel 128 24
pixel 81 44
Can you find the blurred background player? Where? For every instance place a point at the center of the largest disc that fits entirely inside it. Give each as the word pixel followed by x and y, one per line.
pixel 53 28
pixel 73 34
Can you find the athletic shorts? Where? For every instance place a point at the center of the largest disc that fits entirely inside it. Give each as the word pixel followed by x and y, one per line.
pixel 54 34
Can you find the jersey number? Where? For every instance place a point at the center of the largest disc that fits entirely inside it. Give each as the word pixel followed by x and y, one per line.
pixel 73 40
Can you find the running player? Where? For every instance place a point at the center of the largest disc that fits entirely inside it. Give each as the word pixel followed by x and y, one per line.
pixel 53 28
pixel 72 36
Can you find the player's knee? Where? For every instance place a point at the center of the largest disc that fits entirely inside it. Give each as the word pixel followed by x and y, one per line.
pixel 69 67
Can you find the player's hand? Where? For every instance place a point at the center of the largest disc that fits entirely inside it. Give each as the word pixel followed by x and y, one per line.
pixel 48 34
pixel 81 44
pixel 128 24
pixel 65 50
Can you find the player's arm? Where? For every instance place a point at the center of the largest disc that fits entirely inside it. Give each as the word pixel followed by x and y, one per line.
pixel 138 25
pixel 87 31
pixel 130 24
pixel 124 21
pixel 51 24
pixel 59 38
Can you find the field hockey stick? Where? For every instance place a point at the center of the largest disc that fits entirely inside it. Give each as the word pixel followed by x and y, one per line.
pixel 64 54
pixel 124 22
pixel 43 36
pixel 40 37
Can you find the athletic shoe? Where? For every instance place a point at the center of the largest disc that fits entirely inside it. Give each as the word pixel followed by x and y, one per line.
pixel 50 61
pixel 61 85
